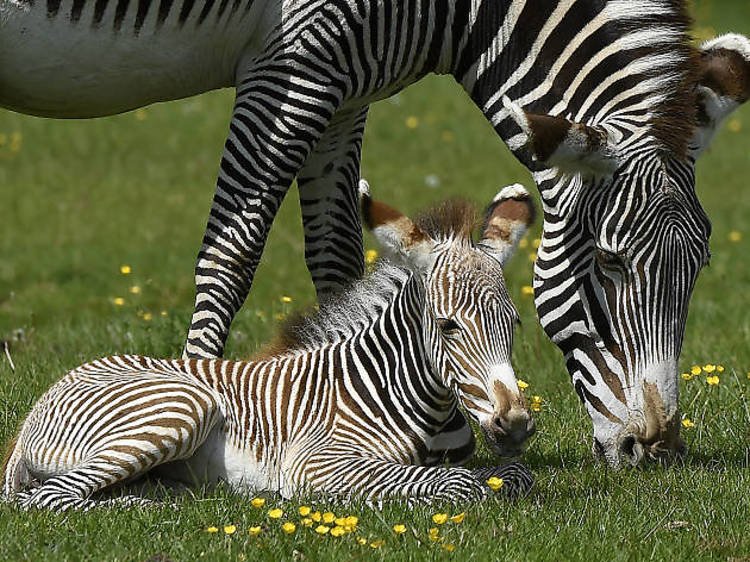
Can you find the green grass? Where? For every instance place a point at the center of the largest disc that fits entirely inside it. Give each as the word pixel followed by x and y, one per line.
pixel 80 199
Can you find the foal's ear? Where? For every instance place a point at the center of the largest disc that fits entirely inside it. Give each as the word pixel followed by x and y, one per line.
pixel 508 217
pixel 401 239
pixel 723 85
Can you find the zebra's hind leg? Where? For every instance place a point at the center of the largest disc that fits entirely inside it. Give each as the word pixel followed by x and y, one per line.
pixel 330 204
pixel 75 490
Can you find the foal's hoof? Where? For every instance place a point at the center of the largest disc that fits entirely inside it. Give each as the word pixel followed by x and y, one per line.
pixel 512 480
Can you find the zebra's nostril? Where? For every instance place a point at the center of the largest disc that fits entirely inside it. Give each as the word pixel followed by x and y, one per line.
pixel 631 450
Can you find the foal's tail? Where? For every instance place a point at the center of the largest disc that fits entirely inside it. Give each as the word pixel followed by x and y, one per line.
pixel 15 474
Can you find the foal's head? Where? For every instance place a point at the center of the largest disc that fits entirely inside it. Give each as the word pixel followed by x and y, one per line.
pixel 468 316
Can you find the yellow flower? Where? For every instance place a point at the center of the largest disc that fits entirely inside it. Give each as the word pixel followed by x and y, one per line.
pixel 748 375
pixel 448 547
pixel 524 243
pixel 495 483
pixel 315 516
pixel 147 316
pixel 695 369
pixel 412 122
pixel 306 522
pixel 135 290
pixel 687 423
pixel 713 381
pixel 687 376
pixel 709 368
pixel 352 520
pixel 337 531
pixel 163 312
pixel 289 527
pixel 439 518
pixel 304 511
pixel 118 301
pixel 720 368
pixel 459 518
pixel 537 242
pixel 532 257
pixel 536 406
pixel 433 535
pixel 377 544
pixel 735 236
pixel 254 530
pixel 322 529
pixel 140 114
pixel 371 256
pixel 125 269
pixel 328 517
pixel 361 541
pixel 527 290
pixel 230 529
pixel 522 384
pixel 275 513
pixel 399 529
pixel 15 141
pixel 341 521
pixel 735 125
pixel 212 530
pixel 258 502
pixel 286 299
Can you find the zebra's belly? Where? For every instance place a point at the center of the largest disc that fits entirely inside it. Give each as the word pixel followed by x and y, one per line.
pixel 56 67
pixel 219 461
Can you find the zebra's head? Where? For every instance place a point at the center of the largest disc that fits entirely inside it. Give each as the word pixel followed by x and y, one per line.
pixel 468 316
pixel 625 239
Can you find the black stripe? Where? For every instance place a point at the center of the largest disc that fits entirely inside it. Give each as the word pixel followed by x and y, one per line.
pixel 120 13
pixel 143 7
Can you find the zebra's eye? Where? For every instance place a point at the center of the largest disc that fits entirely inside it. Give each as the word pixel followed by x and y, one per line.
pixel 448 326
pixel 610 261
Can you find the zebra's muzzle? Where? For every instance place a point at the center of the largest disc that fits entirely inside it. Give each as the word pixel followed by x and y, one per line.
pixel 507 434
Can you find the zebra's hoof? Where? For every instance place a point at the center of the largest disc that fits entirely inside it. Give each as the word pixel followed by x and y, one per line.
pixel 512 480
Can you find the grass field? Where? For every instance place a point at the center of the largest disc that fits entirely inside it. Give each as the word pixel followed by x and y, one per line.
pixel 81 199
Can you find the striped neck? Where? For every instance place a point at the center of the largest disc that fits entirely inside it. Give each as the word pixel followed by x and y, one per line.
pixel 623 65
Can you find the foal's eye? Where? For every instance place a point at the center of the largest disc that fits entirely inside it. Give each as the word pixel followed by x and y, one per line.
pixel 611 261
pixel 448 326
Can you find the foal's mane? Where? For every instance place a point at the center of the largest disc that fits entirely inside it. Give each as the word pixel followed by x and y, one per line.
pixel 353 309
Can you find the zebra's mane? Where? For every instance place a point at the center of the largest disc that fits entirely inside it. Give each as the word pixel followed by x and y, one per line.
pixel 354 309
pixel 347 313
pixel 674 117
pixel 654 70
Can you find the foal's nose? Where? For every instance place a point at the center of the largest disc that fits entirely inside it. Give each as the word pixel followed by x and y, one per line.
pixel 516 425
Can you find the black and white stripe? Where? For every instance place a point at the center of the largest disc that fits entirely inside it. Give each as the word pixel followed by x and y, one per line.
pixel 361 401
pixel 618 78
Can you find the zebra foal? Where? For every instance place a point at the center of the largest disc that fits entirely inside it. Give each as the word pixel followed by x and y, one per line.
pixel 360 400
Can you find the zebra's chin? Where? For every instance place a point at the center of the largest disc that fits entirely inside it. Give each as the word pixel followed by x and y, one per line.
pixel 501 445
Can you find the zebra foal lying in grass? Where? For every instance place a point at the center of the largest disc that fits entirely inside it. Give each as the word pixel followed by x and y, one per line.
pixel 359 400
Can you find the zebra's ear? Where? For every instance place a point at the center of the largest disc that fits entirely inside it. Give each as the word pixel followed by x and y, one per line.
pixel 723 85
pixel 567 145
pixel 402 240
pixel 508 218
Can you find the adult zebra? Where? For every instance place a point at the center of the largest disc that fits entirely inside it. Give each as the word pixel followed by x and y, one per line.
pixel 350 402
pixel 604 100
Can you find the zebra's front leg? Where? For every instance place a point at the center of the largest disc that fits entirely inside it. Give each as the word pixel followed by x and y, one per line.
pixel 273 129
pixel 329 201
pixel 375 480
